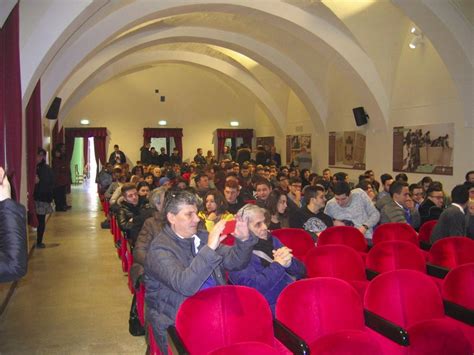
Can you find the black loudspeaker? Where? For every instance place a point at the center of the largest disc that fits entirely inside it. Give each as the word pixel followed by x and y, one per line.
pixel 54 109
pixel 360 116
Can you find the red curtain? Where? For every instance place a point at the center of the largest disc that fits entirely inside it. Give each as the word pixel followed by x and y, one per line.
pixel 85 150
pixel 222 134
pixel 34 140
pixel 57 137
pixel 10 92
pixel 176 133
pixel 99 147
pixel 72 133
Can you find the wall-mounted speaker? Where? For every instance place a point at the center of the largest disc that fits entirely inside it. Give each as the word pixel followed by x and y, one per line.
pixel 54 109
pixel 360 116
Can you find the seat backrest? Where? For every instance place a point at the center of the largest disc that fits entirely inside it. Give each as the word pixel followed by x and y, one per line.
pixel 298 240
pixel 312 308
pixel 224 315
pixel 458 286
pixel 345 235
pixel 452 251
pixel 249 347
pixel 426 229
pixel 395 231
pixel 347 342
pixel 394 255
pixel 339 261
pixel 404 297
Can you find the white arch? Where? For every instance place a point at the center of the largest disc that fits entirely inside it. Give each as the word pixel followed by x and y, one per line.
pixel 308 27
pixel 140 59
pixel 291 72
pixel 453 38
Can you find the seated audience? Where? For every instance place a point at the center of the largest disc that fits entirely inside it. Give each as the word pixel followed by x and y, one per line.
pixel 310 217
pixel 417 194
pixel 352 208
pixel 452 221
pixel 366 186
pixel 232 196
pixel 432 207
pixel 294 196
pixel 132 213
pixel 262 191
pixel 396 211
pixel 202 184
pixel 272 266
pixel 182 260
pixel 214 209
pixel 383 196
pixel 277 208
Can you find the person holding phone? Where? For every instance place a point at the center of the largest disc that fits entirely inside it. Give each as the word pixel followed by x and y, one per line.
pixel 183 260
pixel 272 266
pixel 214 209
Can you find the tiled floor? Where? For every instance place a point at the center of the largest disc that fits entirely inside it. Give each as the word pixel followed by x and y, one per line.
pixel 74 299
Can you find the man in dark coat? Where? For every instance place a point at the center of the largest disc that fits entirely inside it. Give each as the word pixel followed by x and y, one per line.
pixel 117 156
pixel 13 239
pixel 145 154
pixel 432 207
pixel 452 222
pixel 182 260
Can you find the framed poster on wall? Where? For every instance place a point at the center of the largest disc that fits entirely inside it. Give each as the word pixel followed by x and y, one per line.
pixel 347 150
pixel 426 149
pixel 294 145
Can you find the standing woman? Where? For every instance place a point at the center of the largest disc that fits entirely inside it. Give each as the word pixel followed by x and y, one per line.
pixel 43 194
pixel 214 209
pixel 277 204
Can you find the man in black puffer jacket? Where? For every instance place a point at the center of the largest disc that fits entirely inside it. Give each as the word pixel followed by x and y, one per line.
pixel 13 245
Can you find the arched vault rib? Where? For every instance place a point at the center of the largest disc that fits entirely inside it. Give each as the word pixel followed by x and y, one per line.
pixel 284 67
pixel 142 59
pixel 308 27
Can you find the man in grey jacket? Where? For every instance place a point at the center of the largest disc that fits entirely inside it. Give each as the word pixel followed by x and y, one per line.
pixel 182 260
pixel 396 211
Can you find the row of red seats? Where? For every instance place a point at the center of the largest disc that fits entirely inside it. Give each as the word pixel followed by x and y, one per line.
pixel 447 252
pixel 402 313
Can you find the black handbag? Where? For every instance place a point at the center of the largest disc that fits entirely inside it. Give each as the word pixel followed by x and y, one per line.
pixel 134 326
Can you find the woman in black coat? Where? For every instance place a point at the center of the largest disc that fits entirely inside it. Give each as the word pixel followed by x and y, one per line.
pixel 43 194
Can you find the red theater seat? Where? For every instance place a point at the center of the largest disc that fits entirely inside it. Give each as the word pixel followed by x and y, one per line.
pixel 337 261
pixel 452 251
pixel 395 231
pixel 344 235
pixel 394 255
pixel 250 347
pixel 411 300
pixel 221 316
pixel 298 240
pixel 426 229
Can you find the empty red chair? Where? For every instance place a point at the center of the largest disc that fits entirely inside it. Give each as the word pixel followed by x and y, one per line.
pixel 337 261
pixel 426 229
pixel 412 301
pixel 452 251
pixel 249 347
pixel 395 231
pixel 221 316
pixel 458 286
pixel 458 291
pixel 298 240
pixel 327 314
pixel 344 235
pixel 394 255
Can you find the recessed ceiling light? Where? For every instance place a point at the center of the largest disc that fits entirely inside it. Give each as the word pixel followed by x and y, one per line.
pixel 162 123
pixel 413 30
pixel 85 122
pixel 234 123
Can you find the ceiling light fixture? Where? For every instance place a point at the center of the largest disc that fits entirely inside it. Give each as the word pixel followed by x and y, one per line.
pixel 162 123
pixel 416 41
pixel 84 122
pixel 234 123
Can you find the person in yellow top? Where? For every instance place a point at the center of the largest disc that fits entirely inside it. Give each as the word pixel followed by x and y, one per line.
pixel 214 209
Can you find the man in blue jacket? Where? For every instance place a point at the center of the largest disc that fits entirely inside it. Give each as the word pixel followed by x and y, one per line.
pixel 272 266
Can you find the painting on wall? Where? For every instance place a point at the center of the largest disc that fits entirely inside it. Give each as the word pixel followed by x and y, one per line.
pixel 294 145
pixel 426 149
pixel 266 141
pixel 347 150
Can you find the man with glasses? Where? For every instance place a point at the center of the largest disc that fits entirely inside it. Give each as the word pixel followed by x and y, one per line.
pixel 433 205
pixel 183 260
pixel 417 194
pixel 294 196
